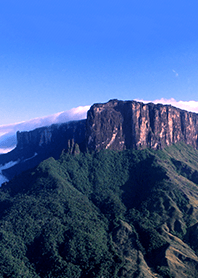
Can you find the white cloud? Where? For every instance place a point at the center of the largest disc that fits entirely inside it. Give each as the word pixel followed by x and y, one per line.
pixel 61 117
pixel 7 132
pixel 190 105
pixel 6 150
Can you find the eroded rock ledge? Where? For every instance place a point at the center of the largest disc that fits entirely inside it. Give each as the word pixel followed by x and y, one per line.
pixel 120 125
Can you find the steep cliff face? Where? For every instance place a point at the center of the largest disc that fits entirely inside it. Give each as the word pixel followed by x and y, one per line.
pixel 122 125
pixel 39 144
pixel 53 135
pixel 115 125
pixel 119 125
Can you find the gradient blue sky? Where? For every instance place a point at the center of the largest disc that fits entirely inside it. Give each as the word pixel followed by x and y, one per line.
pixel 56 55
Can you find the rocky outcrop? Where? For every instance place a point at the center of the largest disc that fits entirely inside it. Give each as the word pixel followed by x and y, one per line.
pixel 120 125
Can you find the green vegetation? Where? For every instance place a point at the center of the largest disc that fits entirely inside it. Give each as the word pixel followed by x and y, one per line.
pixel 62 219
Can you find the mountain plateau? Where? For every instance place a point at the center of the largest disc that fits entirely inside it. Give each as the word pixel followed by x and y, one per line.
pixel 115 195
pixel 115 125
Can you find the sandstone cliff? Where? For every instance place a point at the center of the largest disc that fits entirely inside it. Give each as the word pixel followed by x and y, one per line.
pixel 122 125
pixel 36 145
pixel 58 135
pixel 115 125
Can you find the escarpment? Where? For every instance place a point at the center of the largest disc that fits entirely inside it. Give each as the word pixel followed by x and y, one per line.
pixel 126 213
pixel 115 125
pixel 55 136
pixel 36 145
pixel 120 125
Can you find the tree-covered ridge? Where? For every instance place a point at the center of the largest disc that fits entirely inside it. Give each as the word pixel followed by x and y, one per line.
pixel 103 214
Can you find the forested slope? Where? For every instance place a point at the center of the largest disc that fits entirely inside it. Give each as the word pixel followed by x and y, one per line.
pixel 103 214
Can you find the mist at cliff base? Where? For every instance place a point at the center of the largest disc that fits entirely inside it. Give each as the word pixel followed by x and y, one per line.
pixel 3 167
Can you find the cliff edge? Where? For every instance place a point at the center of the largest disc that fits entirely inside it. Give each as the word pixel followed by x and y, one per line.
pixel 120 125
pixel 116 125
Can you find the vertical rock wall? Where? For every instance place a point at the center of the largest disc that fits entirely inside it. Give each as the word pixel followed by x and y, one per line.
pixel 120 125
pixel 129 124
pixel 54 135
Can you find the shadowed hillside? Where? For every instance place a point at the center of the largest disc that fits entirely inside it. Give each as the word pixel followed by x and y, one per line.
pixel 107 214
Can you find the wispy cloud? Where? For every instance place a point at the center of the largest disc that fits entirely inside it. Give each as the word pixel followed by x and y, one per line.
pixel 176 74
pixel 8 132
pixel 61 117
pixel 190 105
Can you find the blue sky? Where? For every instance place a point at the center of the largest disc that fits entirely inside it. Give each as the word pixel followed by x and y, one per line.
pixel 56 55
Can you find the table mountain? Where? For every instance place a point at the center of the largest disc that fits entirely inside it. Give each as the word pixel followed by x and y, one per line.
pixel 122 125
pixel 116 196
pixel 115 125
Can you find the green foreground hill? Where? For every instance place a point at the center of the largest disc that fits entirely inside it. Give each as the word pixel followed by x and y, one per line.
pixel 105 214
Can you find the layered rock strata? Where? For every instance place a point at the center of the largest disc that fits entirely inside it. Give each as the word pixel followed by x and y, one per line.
pixel 122 125
pixel 115 125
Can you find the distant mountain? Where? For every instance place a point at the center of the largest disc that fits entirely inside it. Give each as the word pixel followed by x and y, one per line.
pixel 8 138
pixel 116 125
pixel 39 144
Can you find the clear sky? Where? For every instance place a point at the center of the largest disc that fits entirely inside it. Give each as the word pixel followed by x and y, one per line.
pixel 56 55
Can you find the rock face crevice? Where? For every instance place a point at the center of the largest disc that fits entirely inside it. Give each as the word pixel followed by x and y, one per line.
pixel 116 125
pixel 120 125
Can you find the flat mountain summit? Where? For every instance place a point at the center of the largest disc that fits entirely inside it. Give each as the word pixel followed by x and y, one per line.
pixel 115 125
pixel 120 125
pixel 115 195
